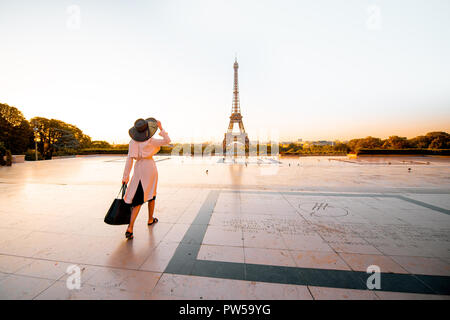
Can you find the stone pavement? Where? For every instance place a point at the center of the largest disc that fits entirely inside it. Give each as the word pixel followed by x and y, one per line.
pixel 303 228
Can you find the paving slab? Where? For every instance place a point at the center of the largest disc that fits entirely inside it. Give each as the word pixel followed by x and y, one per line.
pixel 262 231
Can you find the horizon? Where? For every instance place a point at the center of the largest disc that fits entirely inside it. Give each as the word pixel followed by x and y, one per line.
pixel 294 140
pixel 314 71
pixel 287 141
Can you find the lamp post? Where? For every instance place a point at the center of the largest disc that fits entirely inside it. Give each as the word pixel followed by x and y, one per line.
pixel 35 142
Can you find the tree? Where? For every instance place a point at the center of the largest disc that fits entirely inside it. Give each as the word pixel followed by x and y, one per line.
pixel 420 142
pixel 366 143
pixel 15 130
pixel 341 147
pixel 11 115
pixel 67 141
pixel 100 144
pixel 439 140
pixel 396 142
pixel 55 135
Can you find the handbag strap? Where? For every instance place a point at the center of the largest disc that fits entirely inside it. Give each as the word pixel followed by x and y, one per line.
pixel 123 189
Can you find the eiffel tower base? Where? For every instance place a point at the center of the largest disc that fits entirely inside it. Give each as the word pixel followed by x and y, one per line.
pixel 236 144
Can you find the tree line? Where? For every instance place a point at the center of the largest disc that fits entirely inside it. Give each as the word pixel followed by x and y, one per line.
pixel 55 138
pixel 52 136
pixel 432 140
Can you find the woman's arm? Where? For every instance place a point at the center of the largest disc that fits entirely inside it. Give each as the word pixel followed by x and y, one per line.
pixel 126 171
pixel 164 134
pixel 129 162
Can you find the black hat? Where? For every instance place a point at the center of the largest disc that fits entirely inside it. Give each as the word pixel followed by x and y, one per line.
pixel 143 129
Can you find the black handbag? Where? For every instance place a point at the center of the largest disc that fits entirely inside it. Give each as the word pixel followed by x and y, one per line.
pixel 119 212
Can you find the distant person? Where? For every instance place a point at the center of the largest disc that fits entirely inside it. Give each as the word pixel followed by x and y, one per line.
pixel 143 184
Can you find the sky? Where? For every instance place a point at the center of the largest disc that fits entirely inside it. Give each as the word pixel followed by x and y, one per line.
pixel 311 70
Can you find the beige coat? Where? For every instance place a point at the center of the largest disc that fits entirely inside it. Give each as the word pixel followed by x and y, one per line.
pixel 144 168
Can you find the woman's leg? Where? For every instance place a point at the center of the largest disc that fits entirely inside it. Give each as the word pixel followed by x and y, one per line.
pixel 134 213
pixel 151 208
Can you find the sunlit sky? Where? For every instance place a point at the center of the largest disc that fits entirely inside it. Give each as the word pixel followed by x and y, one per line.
pixel 316 70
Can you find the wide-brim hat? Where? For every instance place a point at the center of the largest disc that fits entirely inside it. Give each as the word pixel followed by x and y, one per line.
pixel 143 129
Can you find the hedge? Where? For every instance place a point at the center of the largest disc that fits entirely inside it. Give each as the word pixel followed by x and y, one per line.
pixel 30 155
pixel 90 151
pixel 437 152
pixel 306 154
pixel 102 151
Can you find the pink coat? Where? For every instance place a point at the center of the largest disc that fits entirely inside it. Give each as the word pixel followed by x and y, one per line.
pixel 144 168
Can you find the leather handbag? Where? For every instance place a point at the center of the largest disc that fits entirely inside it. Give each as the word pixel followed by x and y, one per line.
pixel 119 212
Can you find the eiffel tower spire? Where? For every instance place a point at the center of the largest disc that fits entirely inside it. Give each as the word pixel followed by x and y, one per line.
pixel 236 108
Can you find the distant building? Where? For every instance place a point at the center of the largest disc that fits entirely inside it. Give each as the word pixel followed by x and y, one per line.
pixel 324 143
pixel 311 143
pixel 317 143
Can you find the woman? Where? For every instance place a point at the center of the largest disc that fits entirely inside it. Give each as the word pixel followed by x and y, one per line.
pixel 142 187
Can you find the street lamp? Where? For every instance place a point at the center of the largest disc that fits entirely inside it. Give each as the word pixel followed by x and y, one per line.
pixel 35 142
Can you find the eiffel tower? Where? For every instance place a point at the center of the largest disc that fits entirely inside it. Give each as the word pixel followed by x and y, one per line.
pixel 232 139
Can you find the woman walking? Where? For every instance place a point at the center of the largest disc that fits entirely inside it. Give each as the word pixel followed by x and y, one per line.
pixel 143 184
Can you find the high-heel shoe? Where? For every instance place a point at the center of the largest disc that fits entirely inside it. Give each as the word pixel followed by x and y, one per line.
pixel 129 235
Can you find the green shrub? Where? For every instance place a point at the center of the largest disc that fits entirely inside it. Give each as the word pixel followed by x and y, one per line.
pixel 2 154
pixel 31 156
pixel 165 150
pixel 65 152
pixel 89 151
pixel 8 158
pixel 92 151
pixel 440 152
